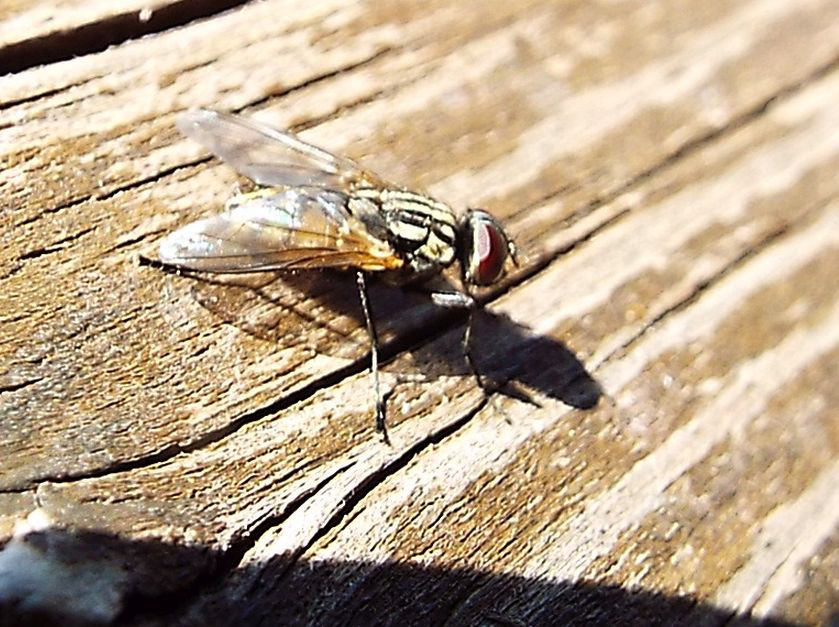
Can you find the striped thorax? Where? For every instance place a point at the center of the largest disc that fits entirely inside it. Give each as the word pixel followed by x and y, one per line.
pixel 422 230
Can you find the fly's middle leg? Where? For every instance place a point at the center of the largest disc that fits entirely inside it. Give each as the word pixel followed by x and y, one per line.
pixel 361 279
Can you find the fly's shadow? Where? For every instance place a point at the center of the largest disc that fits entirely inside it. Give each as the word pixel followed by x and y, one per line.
pixel 318 310
pixel 513 359
pixel 321 311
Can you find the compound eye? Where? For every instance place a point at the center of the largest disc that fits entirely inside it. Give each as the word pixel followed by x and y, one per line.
pixel 489 250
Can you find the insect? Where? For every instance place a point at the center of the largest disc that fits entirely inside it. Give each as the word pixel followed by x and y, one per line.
pixel 312 210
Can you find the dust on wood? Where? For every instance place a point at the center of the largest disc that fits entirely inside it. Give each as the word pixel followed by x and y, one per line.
pixel 669 173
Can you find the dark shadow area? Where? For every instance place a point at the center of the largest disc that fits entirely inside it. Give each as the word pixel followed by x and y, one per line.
pixel 321 311
pixel 150 582
pixel 99 35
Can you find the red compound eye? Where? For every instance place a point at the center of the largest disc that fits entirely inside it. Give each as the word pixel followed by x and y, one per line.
pixel 489 249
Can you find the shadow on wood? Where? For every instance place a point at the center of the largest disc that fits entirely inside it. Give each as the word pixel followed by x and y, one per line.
pixel 283 309
pixel 99 578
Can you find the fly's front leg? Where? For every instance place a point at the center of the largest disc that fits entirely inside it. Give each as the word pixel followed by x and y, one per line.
pixel 454 300
pixel 361 279
pixel 461 300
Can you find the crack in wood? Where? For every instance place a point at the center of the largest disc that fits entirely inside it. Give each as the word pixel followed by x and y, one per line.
pixel 366 485
pixel 8 104
pixel 14 387
pixel 137 607
pixel 97 36
pixel 56 246
pixel 211 437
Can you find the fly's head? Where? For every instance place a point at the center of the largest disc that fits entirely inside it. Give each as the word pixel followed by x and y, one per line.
pixel 484 248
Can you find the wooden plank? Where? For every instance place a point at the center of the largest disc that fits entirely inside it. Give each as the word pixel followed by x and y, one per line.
pixel 670 176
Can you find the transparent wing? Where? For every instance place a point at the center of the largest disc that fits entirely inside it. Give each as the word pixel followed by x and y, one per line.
pixel 268 156
pixel 285 229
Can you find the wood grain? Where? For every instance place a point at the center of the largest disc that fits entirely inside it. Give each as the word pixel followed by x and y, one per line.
pixel 186 451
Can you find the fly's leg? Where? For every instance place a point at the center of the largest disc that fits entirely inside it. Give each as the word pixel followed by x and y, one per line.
pixel 460 300
pixel 467 351
pixel 454 300
pixel 374 354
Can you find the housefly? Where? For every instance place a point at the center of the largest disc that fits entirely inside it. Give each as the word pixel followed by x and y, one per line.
pixel 310 209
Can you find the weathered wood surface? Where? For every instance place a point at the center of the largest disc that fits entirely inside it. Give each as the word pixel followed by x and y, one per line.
pixel 191 452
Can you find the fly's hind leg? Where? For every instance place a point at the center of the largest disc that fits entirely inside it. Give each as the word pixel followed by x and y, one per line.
pixel 361 279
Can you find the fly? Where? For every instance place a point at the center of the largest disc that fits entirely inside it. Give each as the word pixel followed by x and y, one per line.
pixel 311 209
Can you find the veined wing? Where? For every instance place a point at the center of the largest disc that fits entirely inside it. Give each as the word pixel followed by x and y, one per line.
pixel 270 157
pixel 279 229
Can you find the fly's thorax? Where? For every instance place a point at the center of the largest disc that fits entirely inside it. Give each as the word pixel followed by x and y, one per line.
pixel 421 229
